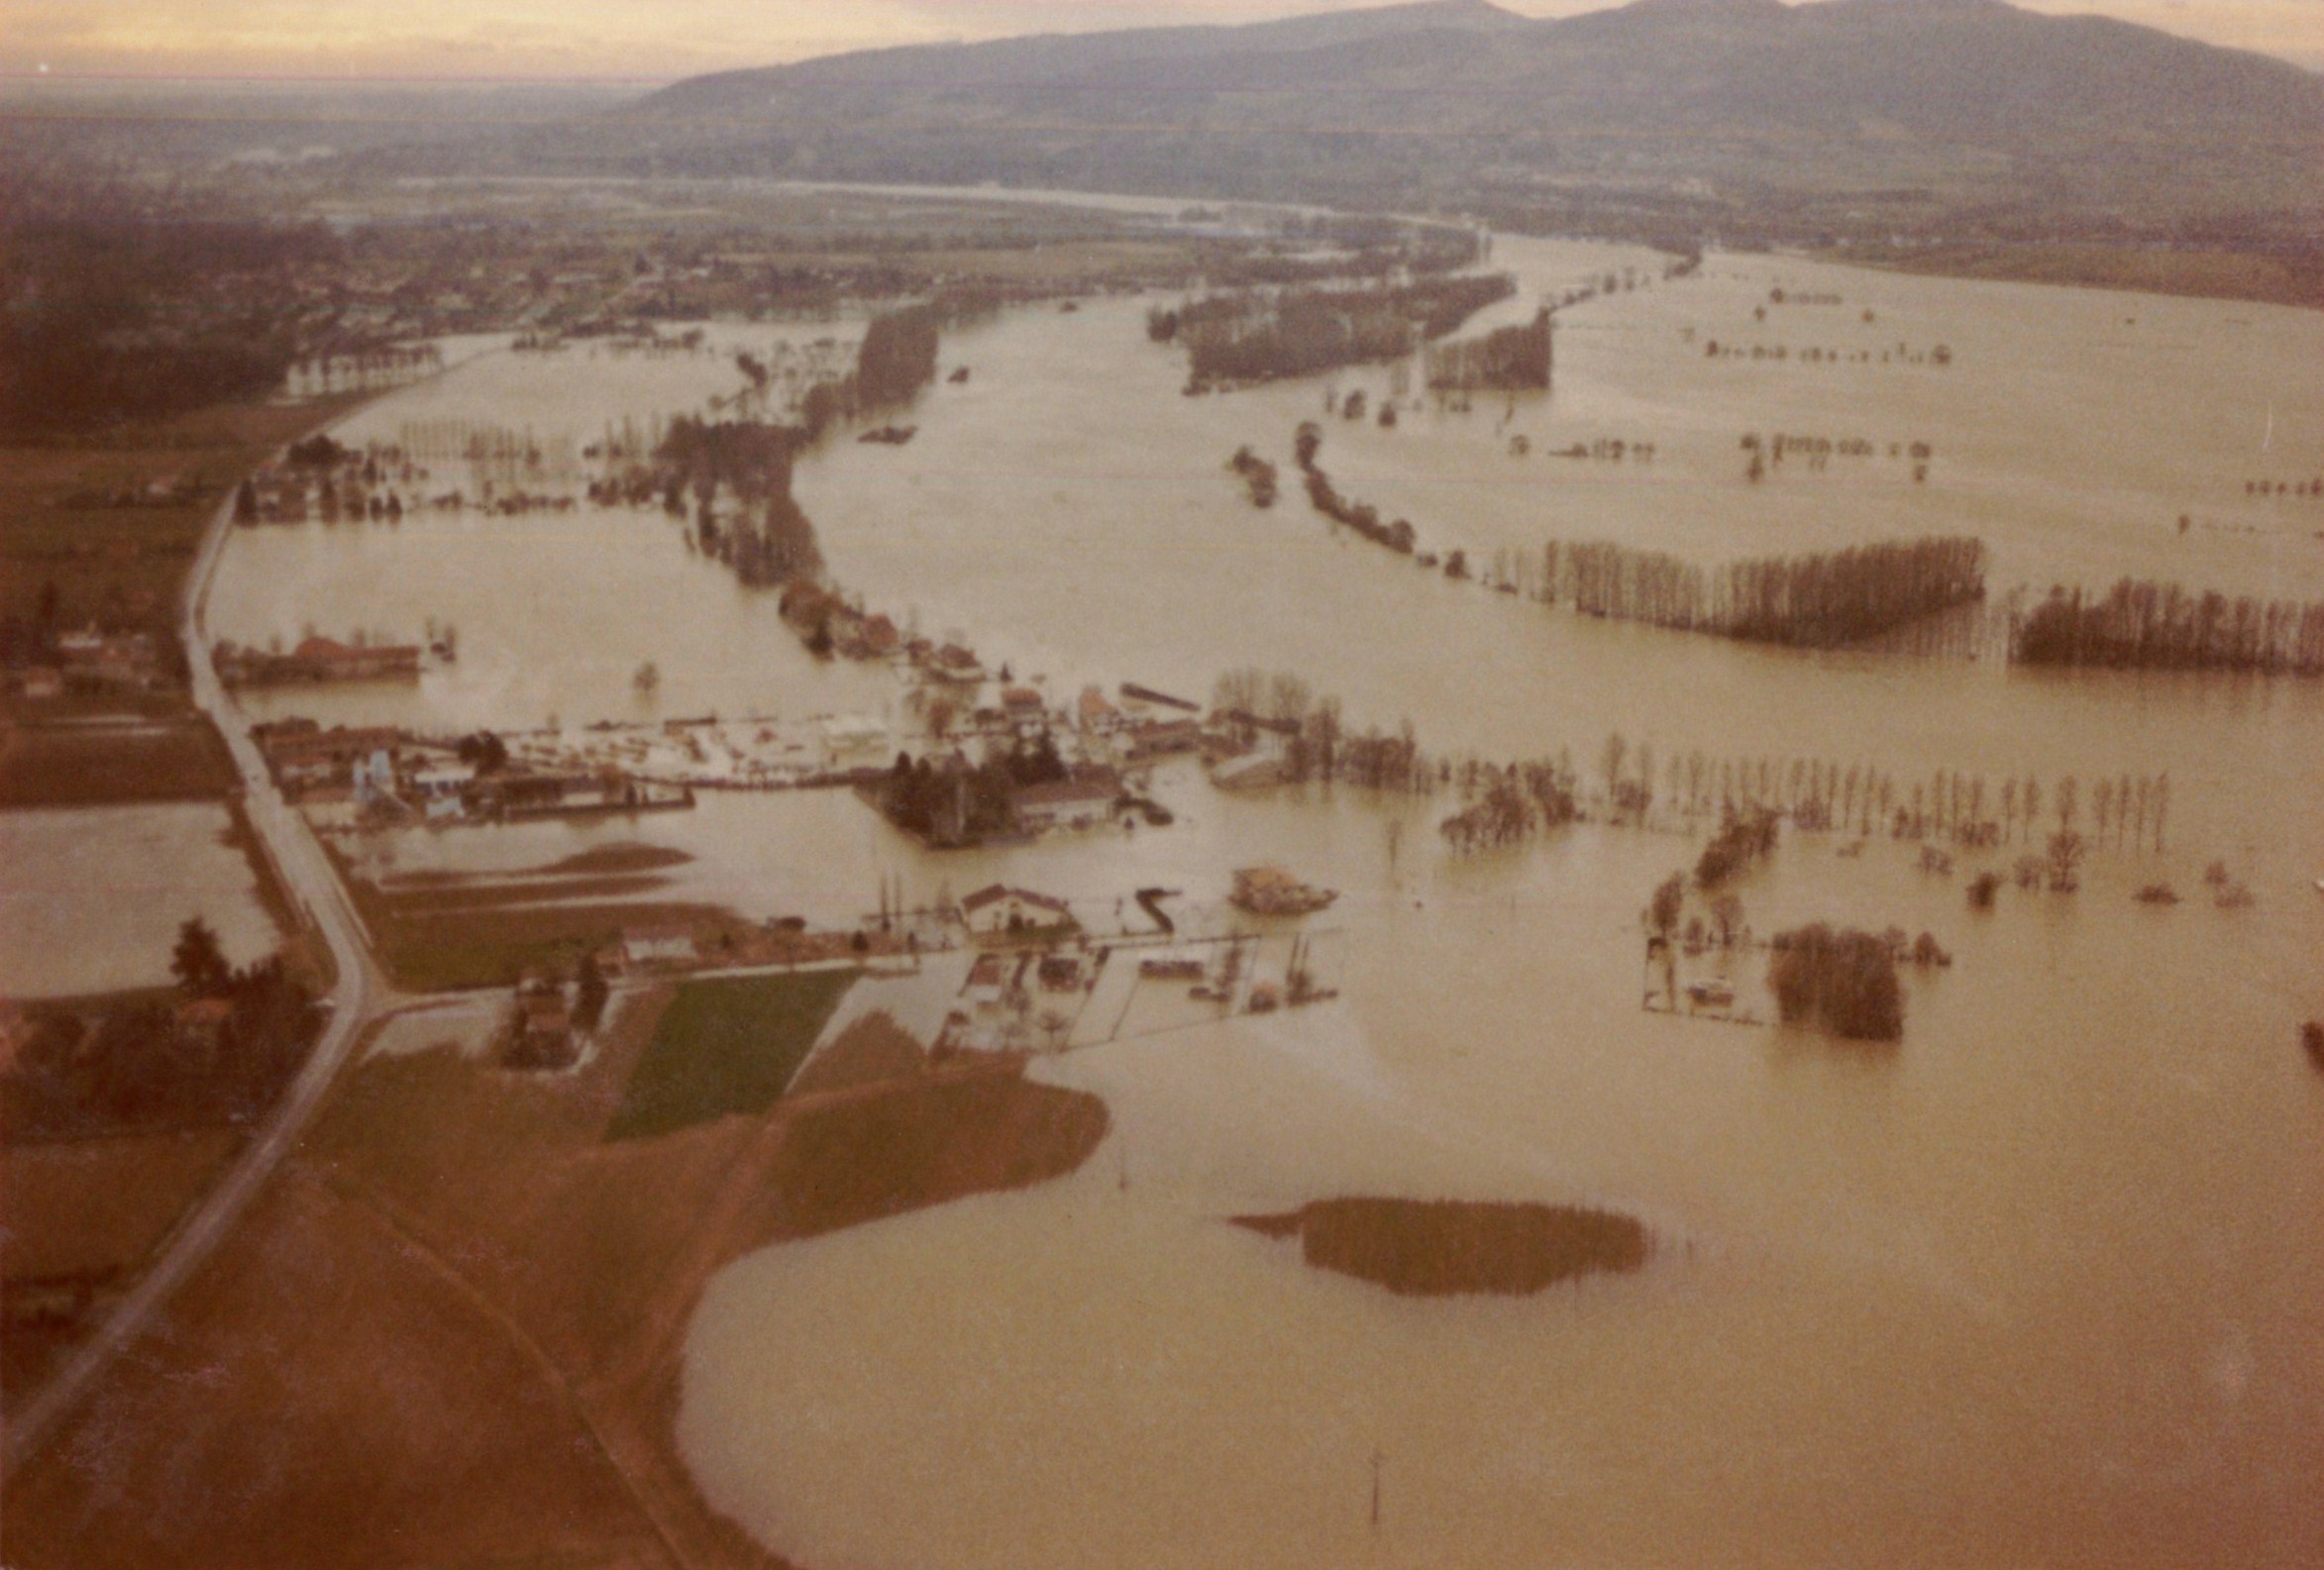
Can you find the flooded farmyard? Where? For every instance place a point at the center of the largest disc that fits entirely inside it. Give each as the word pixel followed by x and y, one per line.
pixel 1908 1273
pixel 1536 838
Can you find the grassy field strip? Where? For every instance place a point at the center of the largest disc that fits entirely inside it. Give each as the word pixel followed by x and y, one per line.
pixel 726 1045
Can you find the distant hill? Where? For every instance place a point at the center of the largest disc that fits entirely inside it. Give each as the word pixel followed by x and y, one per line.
pixel 1851 119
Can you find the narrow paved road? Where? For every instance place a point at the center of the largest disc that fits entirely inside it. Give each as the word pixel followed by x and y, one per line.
pixel 312 884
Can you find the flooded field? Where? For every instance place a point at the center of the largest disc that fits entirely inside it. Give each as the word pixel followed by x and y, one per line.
pixel 606 590
pixel 2043 1283
pixel 95 895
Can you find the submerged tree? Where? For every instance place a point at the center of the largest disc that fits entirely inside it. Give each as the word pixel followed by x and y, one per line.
pixel 1841 980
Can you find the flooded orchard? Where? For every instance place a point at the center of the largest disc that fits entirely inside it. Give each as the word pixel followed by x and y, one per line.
pixel 2043 1283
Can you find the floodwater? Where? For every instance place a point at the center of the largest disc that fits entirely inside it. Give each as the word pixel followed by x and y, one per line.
pixel 2043 1285
pixel 554 611
pixel 95 895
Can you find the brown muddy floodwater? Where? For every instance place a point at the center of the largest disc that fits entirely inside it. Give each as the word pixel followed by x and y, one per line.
pixel 2042 1285
pixel 95 895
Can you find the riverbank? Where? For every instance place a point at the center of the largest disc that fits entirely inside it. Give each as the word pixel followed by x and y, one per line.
pixel 2265 277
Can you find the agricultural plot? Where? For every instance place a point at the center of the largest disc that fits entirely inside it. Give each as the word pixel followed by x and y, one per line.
pixel 723 1046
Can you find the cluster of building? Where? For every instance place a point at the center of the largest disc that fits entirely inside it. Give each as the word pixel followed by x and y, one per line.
pixel 89 658
pixel 388 772
pixel 329 483
pixel 317 660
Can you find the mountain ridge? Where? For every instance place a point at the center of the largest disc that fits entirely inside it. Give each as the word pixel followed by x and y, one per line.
pixel 1866 118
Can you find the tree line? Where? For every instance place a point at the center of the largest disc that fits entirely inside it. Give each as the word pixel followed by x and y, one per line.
pixel 1256 335
pixel 111 314
pixel 2142 624
pixel 1505 360
pixel 1821 600
pixel 1361 516
pixel 1825 796
pixel 1258 475
pixel 1512 804
pixel 1316 745
pixel 951 803
pixel 768 539
pixel 150 1064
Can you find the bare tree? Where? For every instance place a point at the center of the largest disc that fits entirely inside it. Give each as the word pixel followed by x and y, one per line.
pixel 2066 859
pixel 1616 750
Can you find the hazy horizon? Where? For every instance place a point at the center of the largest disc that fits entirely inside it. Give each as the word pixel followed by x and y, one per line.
pixel 601 41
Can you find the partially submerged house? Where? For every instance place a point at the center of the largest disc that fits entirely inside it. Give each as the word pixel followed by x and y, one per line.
pixel 997 910
pixel 1083 799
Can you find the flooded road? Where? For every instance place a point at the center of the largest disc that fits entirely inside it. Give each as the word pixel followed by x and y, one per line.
pixel 2043 1285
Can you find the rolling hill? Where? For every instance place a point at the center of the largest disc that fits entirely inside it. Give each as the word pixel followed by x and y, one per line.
pixel 1857 119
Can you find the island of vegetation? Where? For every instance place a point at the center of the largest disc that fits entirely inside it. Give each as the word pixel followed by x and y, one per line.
pixel 2142 624
pixel 1439 1248
pixel 1251 336
pixel 1840 981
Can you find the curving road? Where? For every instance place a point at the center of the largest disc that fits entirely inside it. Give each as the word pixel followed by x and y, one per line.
pixel 313 886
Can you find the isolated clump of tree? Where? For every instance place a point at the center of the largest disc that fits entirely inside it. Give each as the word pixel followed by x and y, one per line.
pixel 898 357
pixel 1512 804
pixel 1822 601
pixel 1505 360
pixel 1315 745
pixel 317 451
pixel 896 360
pixel 1258 475
pixel 762 533
pixel 1268 334
pixel 221 1058
pixel 1843 981
pixel 2141 623
pixel 1743 838
pixel 947 802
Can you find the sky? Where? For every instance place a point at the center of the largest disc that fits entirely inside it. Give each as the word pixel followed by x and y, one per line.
pixel 661 40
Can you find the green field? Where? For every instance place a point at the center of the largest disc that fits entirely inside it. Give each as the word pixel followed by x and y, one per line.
pixel 103 765
pixel 726 1046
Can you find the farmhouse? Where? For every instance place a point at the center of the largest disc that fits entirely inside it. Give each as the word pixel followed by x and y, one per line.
pixel 997 910
pixel 1159 738
pixel 301 753
pixel 1082 798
